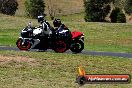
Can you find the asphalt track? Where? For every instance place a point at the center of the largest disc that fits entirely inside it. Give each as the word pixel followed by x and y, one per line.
pixel 93 53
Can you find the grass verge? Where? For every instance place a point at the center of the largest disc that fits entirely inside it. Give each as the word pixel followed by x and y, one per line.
pixel 53 70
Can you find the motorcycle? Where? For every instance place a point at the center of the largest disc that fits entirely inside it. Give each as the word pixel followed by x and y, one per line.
pixel 60 40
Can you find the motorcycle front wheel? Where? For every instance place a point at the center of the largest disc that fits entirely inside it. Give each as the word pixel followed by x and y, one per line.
pixel 77 46
pixel 23 45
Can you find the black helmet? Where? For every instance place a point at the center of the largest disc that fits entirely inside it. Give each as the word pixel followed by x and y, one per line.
pixel 57 23
pixel 40 19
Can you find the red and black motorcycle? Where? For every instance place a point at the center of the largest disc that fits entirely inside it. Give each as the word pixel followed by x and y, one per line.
pixel 60 40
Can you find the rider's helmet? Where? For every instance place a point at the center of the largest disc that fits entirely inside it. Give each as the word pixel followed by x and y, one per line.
pixel 40 18
pixel 57 23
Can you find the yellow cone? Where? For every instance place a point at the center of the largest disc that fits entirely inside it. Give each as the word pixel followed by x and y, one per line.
pixel 81 71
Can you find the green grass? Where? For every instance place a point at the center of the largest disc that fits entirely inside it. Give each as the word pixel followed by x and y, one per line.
pixel 53 70
pixel 98 36
pixel 78 17
pixel 10 28
pixel 105 36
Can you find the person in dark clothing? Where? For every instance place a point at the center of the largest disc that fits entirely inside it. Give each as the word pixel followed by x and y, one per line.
pixel 45 34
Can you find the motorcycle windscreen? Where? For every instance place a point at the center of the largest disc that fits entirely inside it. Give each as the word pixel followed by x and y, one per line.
pixel 63 33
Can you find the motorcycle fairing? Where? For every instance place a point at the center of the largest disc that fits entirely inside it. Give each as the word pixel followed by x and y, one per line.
pixel 76 34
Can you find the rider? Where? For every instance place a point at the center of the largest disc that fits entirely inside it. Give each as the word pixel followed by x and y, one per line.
pixel 46 32
pixel 47 29
pixel 61 28
pixel 57 23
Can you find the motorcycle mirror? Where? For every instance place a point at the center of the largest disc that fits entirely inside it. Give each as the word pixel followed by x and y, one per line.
pixel 29 24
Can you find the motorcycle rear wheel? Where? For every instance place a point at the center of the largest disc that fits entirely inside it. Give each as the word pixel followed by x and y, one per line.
pixel 60 47
pixel 26 46
pixel 77 47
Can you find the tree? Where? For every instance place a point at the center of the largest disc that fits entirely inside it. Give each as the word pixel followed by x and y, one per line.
pixel 114 14
pixel 8 7
pixel 96 10
pixel 121 18
pixel 117 16
pixel 34 8
pixel 128 6
pixel 119 3
pixel 52 7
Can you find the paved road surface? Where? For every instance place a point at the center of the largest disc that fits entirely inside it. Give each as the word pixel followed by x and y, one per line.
pixel 94 53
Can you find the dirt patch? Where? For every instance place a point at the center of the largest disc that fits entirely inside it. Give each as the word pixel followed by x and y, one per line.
pixel 17 60
pixel 125 41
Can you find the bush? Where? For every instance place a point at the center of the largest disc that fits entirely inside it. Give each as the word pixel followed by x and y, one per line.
pixel 34 8
pixel 121 18
pixel 128 6
pixel 96 11
pixel 8 7
pixel 117 16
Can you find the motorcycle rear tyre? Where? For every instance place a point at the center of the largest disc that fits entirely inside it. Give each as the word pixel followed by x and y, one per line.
pixel 57 47
pixel 77 50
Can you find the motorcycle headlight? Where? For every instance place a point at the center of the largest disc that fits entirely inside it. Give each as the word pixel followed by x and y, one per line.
pixel 26 34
